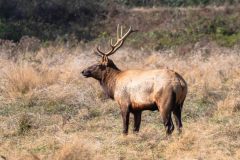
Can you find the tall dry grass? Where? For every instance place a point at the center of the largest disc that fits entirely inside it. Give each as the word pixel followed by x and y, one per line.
pixel 72 119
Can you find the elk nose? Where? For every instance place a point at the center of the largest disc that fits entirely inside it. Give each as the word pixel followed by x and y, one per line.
pixel 85 73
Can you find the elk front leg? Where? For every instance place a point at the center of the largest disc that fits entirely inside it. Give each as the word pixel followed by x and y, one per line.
pixel 125 117
pixel 137 121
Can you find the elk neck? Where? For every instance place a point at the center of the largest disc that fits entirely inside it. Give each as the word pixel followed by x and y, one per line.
pixel 108 81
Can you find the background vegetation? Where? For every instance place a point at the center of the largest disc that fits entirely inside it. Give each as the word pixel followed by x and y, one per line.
pixel 88 20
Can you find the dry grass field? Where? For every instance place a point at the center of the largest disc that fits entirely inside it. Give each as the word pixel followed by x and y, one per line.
pixel 48 111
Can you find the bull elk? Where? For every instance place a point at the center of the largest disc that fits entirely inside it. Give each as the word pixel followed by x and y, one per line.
pixel 138 90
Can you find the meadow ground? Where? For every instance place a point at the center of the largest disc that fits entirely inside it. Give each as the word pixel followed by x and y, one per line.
pixel 49 111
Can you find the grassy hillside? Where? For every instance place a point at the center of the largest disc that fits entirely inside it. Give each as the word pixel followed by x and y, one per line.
pixel 49 111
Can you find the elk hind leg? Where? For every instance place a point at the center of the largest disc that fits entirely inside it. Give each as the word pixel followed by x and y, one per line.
pixel 177 115
pixel 165 106
pixel 137 121
pixel 168 123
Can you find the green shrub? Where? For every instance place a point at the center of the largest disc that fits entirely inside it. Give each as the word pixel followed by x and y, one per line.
pixel 48 20
pixel 223 29
pixel 13 31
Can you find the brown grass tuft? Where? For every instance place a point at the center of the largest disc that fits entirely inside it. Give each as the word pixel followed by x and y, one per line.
pixel 77 149
pixel 22 79
pixel 228 106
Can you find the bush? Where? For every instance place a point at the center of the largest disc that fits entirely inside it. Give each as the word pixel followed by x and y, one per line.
pixel 219 27
pixel 11 31
pixel 59 19
pixel 48 19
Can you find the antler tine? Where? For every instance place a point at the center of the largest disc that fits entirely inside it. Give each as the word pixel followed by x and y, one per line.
pixel 117 31
pixel 121 31
pixel 119 41
pixel 105 54
pixel 116 48
pixel 99 51
pixel 126 34
pixel 111 43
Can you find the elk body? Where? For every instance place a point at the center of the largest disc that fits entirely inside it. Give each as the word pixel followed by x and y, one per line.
pixel 138 90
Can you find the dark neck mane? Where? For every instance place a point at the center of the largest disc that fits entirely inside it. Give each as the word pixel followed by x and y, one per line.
pixel 108 81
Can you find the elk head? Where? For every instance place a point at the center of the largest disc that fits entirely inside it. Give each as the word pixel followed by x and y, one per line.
pixel 97 70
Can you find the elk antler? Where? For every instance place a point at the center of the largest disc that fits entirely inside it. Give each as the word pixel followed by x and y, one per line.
pixel 119 42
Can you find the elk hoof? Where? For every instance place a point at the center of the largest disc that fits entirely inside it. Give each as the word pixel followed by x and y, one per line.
pixel 124 133
pixel 135 132
pixel 169 130
pixel 180 131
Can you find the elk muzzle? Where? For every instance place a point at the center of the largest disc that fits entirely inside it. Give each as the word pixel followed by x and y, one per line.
pixel 86 73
